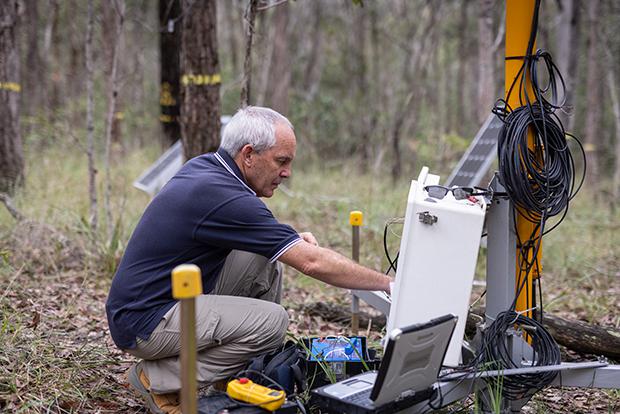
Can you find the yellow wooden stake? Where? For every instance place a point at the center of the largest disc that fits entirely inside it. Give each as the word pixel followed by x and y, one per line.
pixel 356 219
pixel 186 286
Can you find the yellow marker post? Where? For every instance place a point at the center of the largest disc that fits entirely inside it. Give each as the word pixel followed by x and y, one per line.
pixel 519 14
pixel 356 220
pixel 186 286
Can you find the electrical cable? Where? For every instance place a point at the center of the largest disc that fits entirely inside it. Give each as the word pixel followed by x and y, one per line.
pixel 537 169
pixel 393 263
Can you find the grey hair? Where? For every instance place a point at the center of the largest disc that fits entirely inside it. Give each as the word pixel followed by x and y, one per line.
pixel 252 125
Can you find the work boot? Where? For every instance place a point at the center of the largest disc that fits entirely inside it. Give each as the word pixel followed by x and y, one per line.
pixel 167 403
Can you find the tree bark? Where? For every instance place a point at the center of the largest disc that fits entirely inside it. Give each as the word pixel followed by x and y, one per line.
pixel 593 87
pixel 231 20
pixel 461 71
pixel 313 68
pixel 250 17
pixel 118 8
pixel 360 78
pixel 170 65
pixel 11 154
pixel 279 80
pixel 32 74
pixel 486 85
pixel 200 92
pixel 566 57
pixel 90 126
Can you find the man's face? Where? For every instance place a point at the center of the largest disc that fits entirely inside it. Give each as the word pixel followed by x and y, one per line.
pixel 265 170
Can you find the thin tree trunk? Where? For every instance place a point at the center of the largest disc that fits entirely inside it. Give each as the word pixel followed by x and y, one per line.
pixel 278 84
pixel 360 78
pixel 613 89
pixel 592 139
pixel 250 17
pixel 51 18
pixel 90 127
pixel 565 34
pixel 266 30
pixel 461 72
pixel 611 68
pixel 119 9
pixel 374 90
pixel 11 154
pixel 231 31
pixel 170 65
pixel 32 75
pixel 486 84
pixel 201 79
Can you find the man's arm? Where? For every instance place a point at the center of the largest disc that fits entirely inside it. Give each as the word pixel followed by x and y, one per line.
pixel 333 268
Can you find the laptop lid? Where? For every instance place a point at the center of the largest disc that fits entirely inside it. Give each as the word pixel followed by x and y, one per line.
pixel 413 358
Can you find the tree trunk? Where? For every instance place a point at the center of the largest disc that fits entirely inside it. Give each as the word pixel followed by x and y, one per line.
pixel 118 10
pixel 279 80
pixel 11 156
pixel 566 56
pixel 200 93
pixel 232 28
pixel 313 69
pixel 360 78
pixel 250 18
pixel 486 84
pixel 170 65
pixel 90 126
pixel 32 75
pixel 49 34
pixel 461 71
pixel 593 85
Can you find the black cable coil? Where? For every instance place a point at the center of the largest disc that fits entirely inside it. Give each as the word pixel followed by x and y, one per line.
pixel 496 353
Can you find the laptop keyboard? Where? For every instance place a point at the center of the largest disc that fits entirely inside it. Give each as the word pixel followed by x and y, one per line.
pixel 361 398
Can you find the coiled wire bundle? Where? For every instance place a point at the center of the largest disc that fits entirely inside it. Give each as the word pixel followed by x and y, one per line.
pixel 537 169
pixel 497 354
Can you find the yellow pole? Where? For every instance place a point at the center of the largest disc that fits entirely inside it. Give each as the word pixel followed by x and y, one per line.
pixel 356 219
pixel 519 15
pixel 186 286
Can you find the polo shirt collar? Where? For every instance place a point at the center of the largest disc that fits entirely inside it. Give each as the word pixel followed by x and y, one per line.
pixel 231 166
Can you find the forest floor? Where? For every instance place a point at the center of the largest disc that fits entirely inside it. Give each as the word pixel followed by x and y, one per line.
pixel 56 354
pixel 58 357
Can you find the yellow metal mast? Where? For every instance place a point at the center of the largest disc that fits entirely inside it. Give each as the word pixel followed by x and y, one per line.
pixel 519 15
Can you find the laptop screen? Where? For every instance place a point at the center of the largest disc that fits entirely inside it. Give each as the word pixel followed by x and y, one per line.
pixel 413 358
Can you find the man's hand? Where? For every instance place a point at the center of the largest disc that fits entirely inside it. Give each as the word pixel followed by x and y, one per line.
pixel 309 238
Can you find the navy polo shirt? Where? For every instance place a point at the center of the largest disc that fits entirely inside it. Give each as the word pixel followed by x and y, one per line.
pixel 205 211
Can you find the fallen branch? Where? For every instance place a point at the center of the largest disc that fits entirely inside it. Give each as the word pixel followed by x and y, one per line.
pixel 13 211
pixel 577 336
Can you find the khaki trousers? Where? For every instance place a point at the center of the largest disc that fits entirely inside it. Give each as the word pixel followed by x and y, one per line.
pixel 241 319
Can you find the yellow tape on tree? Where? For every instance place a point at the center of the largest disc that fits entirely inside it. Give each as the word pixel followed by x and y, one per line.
pixel 10 86
pixel 166 118
pixel 201 80
pixel 166 98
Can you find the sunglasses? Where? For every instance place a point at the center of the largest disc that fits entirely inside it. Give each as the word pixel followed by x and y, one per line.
pixel 459 193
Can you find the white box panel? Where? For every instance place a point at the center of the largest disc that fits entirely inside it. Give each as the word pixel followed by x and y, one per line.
pixel 437 261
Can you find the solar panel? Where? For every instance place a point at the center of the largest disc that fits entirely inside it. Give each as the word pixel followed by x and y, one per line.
pixel 477 160
pixel 166 166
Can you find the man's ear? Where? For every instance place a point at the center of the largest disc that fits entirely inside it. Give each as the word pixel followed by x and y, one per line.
pixel 247 152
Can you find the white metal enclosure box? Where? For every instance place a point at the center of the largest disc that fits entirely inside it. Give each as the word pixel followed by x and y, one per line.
pixel 437 260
